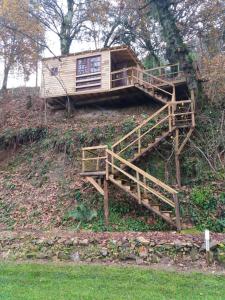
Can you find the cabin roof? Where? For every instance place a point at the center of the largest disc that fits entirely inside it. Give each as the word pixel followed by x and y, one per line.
pixel 111 49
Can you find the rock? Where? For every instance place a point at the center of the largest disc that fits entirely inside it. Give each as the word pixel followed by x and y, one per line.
pixel 104 252
pixel 142 240
pixel 40 242
pixel 75 256
pixel 50 242
pixel 75 241
pixel 194 254
pixel 154 259
pixel 84 242
pixel 143 252
pixel 139 261
pixel 131 256
pixel 46 255
pixel 63 256
pixel 69 242
pixel 31 255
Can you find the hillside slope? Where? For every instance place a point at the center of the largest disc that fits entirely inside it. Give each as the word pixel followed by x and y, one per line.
pixel 40 185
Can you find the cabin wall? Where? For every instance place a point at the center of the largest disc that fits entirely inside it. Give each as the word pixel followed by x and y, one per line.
pixel 65 82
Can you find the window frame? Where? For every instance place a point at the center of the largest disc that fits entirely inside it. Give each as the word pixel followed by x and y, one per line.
pixel 89 66
pixel 54 71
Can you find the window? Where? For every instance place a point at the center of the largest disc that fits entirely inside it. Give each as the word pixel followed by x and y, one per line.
pixel 54 71
pixel 89 65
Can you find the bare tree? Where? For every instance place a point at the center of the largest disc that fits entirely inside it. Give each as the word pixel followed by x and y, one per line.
pixel 64 18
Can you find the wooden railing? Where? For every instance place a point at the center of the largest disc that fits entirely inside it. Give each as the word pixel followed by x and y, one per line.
pixel 141 182
pixel 168 72
pixel 136 139
pixel 93 159
pixel 164 120
pixel 133 76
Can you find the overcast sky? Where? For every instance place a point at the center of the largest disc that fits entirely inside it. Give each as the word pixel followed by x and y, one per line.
pixel 16 80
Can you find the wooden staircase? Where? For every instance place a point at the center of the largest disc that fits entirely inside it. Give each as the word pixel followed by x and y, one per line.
pixel 116 165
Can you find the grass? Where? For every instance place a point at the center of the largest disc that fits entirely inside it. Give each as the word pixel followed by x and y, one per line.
pixel 48 281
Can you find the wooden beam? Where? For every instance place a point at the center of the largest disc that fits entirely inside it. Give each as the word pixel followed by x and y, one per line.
pixel 106 202
pixel 96 185
pixel 177 160
pixel 177 211
pixel 96 174
pixel 185 141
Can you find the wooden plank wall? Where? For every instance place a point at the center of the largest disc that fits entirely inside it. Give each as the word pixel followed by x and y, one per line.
pixel 65 82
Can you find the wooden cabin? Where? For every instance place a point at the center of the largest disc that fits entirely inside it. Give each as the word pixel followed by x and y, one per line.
pixel 99 75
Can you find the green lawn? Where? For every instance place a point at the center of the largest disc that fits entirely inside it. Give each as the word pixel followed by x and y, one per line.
pixel 34 281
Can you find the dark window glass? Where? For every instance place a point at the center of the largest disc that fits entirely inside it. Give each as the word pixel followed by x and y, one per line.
pixel 54 71
pixel 89 65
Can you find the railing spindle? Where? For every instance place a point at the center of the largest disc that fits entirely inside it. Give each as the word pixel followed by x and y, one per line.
pixel 83 161
pixel 139 141
pixel 138 187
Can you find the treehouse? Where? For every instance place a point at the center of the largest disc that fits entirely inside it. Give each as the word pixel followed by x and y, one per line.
pixel 115 74
pixel 108 74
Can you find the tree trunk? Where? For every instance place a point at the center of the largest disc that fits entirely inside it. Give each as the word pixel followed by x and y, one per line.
pixel 65 33
pixel 176 49
pixel 65 44
pixel 5 77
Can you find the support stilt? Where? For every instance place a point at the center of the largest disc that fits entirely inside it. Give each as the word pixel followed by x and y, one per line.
pixel 177 160
pixel 106 202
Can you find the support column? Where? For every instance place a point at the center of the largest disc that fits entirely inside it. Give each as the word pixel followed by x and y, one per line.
pixel 106 201
pixel 177 160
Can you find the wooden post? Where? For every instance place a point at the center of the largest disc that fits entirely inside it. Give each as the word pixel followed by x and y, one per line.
pixel 170 118
pixel 83 160
pixel 138 187
pixel 139 141
pixel 107 165
pixel 177 211
pixel 177 160
pixel 46 121
pixel 145 183
pixel 106 201
pixel 193 98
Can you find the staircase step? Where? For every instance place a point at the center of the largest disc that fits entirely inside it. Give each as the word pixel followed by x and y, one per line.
pixel 146 201
pixel 167 213
pixel 127 187
pixel 143 150
pixel 119 181
pixel 156 207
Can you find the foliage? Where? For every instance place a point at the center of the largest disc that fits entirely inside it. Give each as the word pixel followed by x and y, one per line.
pixel 19 36
pixel 207 209
pixel 82 213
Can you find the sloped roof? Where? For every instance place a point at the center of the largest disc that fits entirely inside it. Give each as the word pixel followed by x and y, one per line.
pixel 111 49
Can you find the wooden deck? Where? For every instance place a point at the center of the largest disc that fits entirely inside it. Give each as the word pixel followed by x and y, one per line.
pixel 127 85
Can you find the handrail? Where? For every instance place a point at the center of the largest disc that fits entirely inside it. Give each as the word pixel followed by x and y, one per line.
pixel 153 86
pixel 144 134
pixel 165 66
pixel 143 173
pixel 141 125
pixel 138 79
pixel 97 157
pixel 121 70
pixel 155 77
